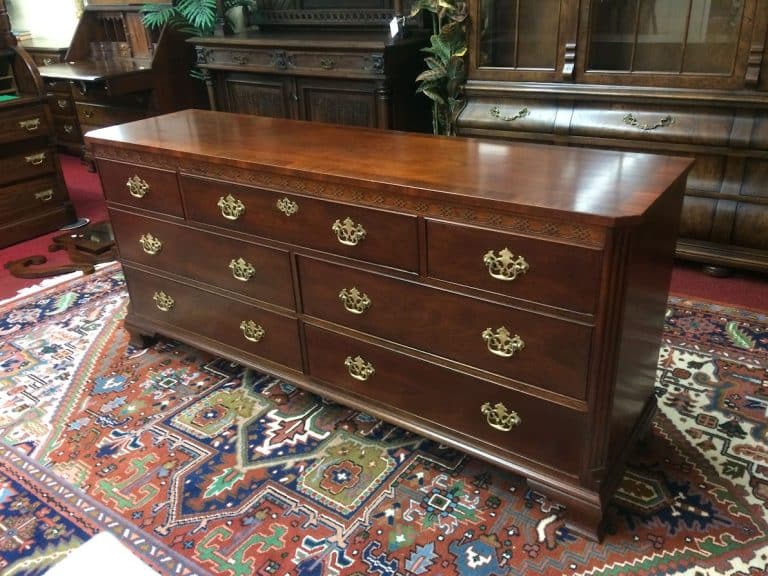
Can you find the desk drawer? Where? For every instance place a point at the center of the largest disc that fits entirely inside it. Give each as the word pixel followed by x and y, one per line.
pixel 61 104
pixel 24 199
pixel 31 164
pixel 547 432
pixel 557 274
pixel 554 353
pixel 263 273
pixel 141 186
pixel 216 317
pixel 379 236
pixel 97 115
pixel 67 129
pixel 25 123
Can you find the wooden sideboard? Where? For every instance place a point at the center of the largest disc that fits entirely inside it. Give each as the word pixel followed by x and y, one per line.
pixel 506 299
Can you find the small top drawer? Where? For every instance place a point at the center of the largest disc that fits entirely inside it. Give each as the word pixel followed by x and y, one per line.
pixel 99 115
pixel 23 123
pixel 148 188
pixel 519 114
pixel 378 236
pixel 544 271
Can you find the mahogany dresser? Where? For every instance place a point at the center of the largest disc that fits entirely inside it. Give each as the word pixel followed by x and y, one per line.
pixel 506 299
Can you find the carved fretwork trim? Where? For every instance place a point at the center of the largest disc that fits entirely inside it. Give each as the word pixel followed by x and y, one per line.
pixel 592 236
pixel 344 17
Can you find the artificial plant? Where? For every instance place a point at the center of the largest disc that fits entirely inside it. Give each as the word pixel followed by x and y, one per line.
pixel 193 17
pixel 443 80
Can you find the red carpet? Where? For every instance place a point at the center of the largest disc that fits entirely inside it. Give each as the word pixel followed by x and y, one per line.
pixel 742 289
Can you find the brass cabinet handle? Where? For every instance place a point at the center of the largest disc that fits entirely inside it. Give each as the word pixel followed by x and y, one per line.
pixel 150 244
pixel 241 269
pixel 30 125
pixel 505 266
pixel 239 59
pixel 355 301
pixel 88 113
pixel 137 187
pixel 500 417
pixel 35 159
pixel 47 61
pixel 327 63
pixel 62 103
pixel 495 112
pixel 231 207
pixel 501 342
pixel 44 195
pixel 631 120
pixel 358 368
pixel 252 331
pixel 163 301
pixel 68 128
pixel 287 206
pixel 348 233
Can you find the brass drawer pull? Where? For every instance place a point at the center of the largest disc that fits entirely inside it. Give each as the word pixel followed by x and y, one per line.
pixel 505 266
pixel 44 195
pixel 231 207
pixel 241 269
pixel 348 233
pixel 137 187
pixel 287 206
pixel 163 301
pixel 88 113
pixel 252 331
pixel 150 244
pixel 47 61
pixel 501 342
pixel 358 368
pixel 327 63
pixel 495 112
pixel 499 417
pixel 355 301
pixel 631 120
pixel 62 103
pixel 35 159
pixel 69 128
pixel 238 59
pixel 30 125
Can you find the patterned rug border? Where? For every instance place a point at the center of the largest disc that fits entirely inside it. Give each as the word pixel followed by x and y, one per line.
pixel 759 313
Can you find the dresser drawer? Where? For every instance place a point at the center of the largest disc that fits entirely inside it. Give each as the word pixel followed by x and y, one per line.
pixel 58 86
pixel 25 123
pixel 378 236
pixel 547 432
pixel 97 115
pixel 141 186
pixel 62 104
pixel 216 317
pixel 27 197
pixel 67 129
pixel 31 164
pixel 314 62
pixel 558 274
pixel 262 273
pixel 554 354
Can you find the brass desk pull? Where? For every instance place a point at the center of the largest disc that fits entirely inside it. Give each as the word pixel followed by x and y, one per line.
pixel 242 270
pixel 137 187
pixel 499 417
pixel 150 244
pixel 252 331
pixel 355 301
pixel 631 120
pixel 495 112
pixel 327 63
pixel 30 125
pixel 287 206
pixel 35 159
pixel 231 207
pixel 44 195
pixel 163 301
pixel 502 342
pixel 69 128
pixel 348 233
pixel 505 266
pixel 62 103
pixel 358 368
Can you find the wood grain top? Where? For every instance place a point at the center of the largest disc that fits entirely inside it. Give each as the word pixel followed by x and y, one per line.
pixel 94 70
pixel 601 186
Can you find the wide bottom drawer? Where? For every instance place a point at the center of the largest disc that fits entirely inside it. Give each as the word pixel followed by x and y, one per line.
pixel 252 330
pixel 506 419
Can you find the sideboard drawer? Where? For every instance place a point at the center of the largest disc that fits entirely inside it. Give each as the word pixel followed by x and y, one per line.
pixel 547 432
pixel 552 354
pixel 27 122
pixel 31 164
pixel 248 328
pixel 141 186
pixel 250 269
pixel 379 236
pixel 553 273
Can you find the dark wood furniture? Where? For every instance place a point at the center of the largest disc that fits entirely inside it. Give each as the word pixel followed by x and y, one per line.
pixel 116 70
pixel 337 65
pixel 669 76
pixel 512 313
pixel 33 197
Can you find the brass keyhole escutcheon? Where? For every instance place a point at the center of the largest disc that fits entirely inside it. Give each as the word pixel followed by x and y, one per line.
pixel 287 206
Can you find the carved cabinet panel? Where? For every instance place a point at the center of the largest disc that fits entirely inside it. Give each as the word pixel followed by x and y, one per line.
pixel 262 94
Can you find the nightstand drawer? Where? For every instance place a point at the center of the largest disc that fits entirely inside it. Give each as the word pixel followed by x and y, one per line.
pixel 534 269
pixel 377 236
pixel 141 186
pixel 524 425
pixel 246 268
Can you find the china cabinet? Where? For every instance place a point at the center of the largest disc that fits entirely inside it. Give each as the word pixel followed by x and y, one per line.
pixel 687 77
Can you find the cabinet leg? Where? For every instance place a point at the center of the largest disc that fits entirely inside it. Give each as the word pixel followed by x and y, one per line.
pixel 583 515
pixel 139 340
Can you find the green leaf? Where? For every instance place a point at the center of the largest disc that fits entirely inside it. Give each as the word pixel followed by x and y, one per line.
pixel 738 336
pixel 432 95
pixel 430 75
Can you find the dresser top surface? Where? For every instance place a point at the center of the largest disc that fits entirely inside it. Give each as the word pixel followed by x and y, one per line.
pixel 600 186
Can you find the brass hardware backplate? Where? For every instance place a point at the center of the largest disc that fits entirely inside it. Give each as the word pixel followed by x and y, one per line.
pixel 30 125
pixel 241 269
pixel 358 368
pixel 150 244
pixel 355 301
pixel 163 301
pixel 287 206
pixel 499 417
pixel 505 266
pixel 501 342
pixel 348 233
pixel 252 331
pixel 631 120
pixel 44 195
pixel 137 187
pixel 35 159
pixel 231 207
pixel 495 112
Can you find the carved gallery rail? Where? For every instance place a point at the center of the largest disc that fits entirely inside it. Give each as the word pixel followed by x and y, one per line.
pixel 506 299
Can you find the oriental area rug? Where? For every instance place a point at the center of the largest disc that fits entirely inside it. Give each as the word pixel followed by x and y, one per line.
pixel 203 467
